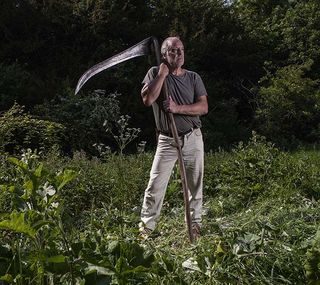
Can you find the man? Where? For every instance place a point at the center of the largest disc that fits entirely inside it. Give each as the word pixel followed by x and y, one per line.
pixel 187 101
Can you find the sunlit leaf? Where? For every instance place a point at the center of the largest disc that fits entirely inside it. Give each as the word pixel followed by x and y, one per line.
pixel 122 265
pixel 63 178
pixel 8 278
pixel 57 259
pixel 38 171
pixel 100 270
pixel 23 166
pixel 38 225
pixel 17 224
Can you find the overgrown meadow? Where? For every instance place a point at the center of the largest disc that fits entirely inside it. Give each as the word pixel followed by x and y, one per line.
pixel 74 220
pixel 72 180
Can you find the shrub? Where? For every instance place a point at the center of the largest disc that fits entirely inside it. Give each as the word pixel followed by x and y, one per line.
pixel 289 106
pixel 19 130
pixel 222 128
pixel 14 85
pixel 85 117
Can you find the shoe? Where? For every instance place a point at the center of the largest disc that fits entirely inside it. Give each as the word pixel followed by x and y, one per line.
pixel 145 233
pixel 196 231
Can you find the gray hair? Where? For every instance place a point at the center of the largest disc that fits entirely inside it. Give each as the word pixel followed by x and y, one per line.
pixel 167 44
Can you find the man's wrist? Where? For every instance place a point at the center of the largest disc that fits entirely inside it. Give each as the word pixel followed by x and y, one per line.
pixel 162 75
pixel 178 109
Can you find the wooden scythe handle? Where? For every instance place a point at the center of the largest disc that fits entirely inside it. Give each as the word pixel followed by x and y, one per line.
pixel 174 132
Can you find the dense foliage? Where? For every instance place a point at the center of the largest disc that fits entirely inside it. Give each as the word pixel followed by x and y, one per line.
pixel 289 107
pixel 19 130
pixel 75 220
pixel 250 54
pixel 85 118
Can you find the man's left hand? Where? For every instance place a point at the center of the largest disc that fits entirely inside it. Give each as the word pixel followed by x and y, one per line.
pixel 170 106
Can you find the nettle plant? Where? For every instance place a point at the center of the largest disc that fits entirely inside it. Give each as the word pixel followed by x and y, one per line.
pixel 37 249
pixel 34 240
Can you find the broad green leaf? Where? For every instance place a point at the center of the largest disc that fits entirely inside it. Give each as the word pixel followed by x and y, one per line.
pixel 28 185
pixel 38 171
pixel 65 177
pixel 138 269
pixel 93 278
pixel 39 224
pixel 57 259
pixel 98 269
pixel 122 265
pixel 8 278
pixel 10 188
pixel 94 261
pixel 114 247
pixel 17 223
pixel 23 166
pixel 220 250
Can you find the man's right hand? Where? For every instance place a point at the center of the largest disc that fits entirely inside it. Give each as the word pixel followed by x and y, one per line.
pixel 151 91
pixel 163 70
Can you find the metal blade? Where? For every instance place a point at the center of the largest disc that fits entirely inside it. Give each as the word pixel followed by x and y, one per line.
pixel 141 48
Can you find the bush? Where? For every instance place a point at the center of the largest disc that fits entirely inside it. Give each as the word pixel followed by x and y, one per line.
pixel 289 107
pixel 222 128
pixel 246 172
pixel 17 85
pixel 85 118
pixel 19 130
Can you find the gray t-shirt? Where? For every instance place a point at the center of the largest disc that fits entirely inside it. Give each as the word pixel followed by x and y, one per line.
pixel 184 90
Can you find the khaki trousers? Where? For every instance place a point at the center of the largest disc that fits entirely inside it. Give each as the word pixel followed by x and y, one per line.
pixel 163 163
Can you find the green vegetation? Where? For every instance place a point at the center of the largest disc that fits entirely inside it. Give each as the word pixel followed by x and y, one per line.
pixel 259 60
pixel 69 208
pixel 19 130
pixel 74 220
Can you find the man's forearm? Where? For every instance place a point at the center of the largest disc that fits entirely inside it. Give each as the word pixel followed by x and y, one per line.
pixel 196 109
pixel 150 92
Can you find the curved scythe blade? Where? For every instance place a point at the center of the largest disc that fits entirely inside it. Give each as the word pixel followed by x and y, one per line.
pixel 141 48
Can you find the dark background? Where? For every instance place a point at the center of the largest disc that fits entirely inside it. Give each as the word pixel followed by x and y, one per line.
pixel 259 60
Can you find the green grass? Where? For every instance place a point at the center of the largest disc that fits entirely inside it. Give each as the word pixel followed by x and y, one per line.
pixel 261 218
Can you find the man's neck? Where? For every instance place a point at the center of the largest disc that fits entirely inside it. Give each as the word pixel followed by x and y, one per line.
pixel 177 71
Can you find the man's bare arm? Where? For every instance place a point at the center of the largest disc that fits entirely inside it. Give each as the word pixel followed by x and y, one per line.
pixel 200 107
pixel 151 91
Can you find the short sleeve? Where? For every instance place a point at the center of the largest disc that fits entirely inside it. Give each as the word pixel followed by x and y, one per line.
pixel 199 88
pixel 151 74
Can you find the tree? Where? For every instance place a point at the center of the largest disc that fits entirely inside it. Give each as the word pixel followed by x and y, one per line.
pixel 17 85
pixel 289 106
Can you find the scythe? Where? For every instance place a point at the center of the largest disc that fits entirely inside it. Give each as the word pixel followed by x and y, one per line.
pixel 146 47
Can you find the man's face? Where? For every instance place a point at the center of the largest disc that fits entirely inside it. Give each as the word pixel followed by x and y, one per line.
pixel 175 54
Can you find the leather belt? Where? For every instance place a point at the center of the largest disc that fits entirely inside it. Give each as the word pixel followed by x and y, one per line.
pixel 168 134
